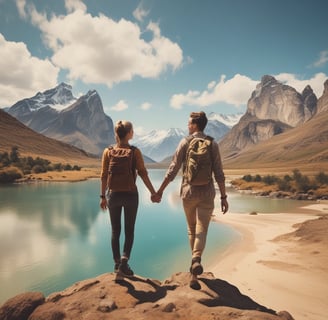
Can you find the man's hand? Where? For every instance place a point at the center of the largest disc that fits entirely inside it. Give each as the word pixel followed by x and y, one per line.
pixel 224 205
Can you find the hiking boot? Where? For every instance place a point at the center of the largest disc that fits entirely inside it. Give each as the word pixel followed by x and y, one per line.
pixel 124 269
pixel 196 268
pixel 116 267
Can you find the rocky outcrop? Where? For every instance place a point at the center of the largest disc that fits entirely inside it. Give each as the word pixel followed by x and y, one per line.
pixel 21 306
pixel 272 109
pixel 323 100
pixel 139 298
pixel 276 101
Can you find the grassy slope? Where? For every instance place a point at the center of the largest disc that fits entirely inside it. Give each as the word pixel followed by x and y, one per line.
pixel 304 147
pixel 31 143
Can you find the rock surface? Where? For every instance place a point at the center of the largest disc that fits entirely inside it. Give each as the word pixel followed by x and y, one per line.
pixel 136 298
pixel 323 100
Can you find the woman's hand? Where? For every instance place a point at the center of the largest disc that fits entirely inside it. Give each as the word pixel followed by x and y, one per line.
pixel 103 203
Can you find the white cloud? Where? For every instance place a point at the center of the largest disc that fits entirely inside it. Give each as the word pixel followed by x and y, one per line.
pixel 120 106
pixel 145 106
pixel 100 50
pixel 20 4
pixel 235 91
pixel 22 75
pixel 323 59
pixel 140 13
pixel 316 82
pixel 72 5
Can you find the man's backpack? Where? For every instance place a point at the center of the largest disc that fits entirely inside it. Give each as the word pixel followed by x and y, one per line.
pixel 198 163
pixel 121 169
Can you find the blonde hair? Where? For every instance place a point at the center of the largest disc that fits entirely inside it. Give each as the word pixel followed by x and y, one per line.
pixel 122 128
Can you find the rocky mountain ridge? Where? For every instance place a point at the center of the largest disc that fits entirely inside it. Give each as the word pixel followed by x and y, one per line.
pixel 273 108
pixel 57 114
pixel 82 123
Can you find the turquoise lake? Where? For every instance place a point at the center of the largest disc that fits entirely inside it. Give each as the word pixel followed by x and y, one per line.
pixel 54 234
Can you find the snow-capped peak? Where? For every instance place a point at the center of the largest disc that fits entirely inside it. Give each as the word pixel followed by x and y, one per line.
pixel 57 98
pixel 228 119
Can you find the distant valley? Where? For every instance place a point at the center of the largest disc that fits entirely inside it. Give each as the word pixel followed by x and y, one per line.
pixel 281 127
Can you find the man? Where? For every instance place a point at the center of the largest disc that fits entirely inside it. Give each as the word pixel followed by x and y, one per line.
pixel 198 200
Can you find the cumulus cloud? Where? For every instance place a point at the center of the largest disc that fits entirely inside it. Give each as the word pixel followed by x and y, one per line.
pixel 22 75
pixel 99 50
pixel 72 5
pixel 140 13
pixel 120 106
pixel 316 82
pixel 235 91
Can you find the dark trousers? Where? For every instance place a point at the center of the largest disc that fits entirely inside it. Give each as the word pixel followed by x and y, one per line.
pixel 128 201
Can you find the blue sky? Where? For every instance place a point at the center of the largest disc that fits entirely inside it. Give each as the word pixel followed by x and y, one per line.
pixel 155 61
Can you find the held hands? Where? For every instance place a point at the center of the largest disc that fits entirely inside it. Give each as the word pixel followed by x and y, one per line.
pixel 156 197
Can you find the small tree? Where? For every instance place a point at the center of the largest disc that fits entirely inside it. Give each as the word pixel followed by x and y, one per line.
pixel 14 154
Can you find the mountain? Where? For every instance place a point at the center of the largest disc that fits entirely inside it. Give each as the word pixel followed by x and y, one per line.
pixel 229 120
pixel 56 98
pixel 218 124
pixel 323 100
pixel 299 141
pixel 83 124
pixel 161 144
pixel 31 143
pixel 272 109
pixel 57 114
pixel 305 146
pixel 276 101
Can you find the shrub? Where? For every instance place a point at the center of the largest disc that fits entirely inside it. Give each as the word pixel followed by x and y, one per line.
pixel 269 179
pixel 247 178
pixel 9 175
pixel 38 169
pixel 321 178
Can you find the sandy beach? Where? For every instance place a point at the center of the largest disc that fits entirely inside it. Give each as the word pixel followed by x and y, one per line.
pixel 281 260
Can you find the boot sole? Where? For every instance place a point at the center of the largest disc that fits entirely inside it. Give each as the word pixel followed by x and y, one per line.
pixel 197 269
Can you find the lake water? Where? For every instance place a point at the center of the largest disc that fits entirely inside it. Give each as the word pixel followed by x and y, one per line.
pixel 54 234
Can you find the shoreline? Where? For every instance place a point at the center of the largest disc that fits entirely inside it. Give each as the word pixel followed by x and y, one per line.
pixel 275 269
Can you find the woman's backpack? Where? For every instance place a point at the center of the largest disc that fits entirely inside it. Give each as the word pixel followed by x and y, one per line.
pixel 121 169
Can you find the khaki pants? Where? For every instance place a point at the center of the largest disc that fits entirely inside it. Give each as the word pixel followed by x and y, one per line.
pixel 198 214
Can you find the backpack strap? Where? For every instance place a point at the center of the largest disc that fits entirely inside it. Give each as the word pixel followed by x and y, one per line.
pixel 134 162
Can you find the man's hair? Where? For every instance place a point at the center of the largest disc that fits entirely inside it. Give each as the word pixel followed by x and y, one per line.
pixel 122 128
pixel 200 119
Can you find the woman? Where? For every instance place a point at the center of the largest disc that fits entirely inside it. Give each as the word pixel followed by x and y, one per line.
pixel 120 164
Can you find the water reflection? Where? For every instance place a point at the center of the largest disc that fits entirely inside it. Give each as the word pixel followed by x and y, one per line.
pixel 57 207
pixel 54 234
